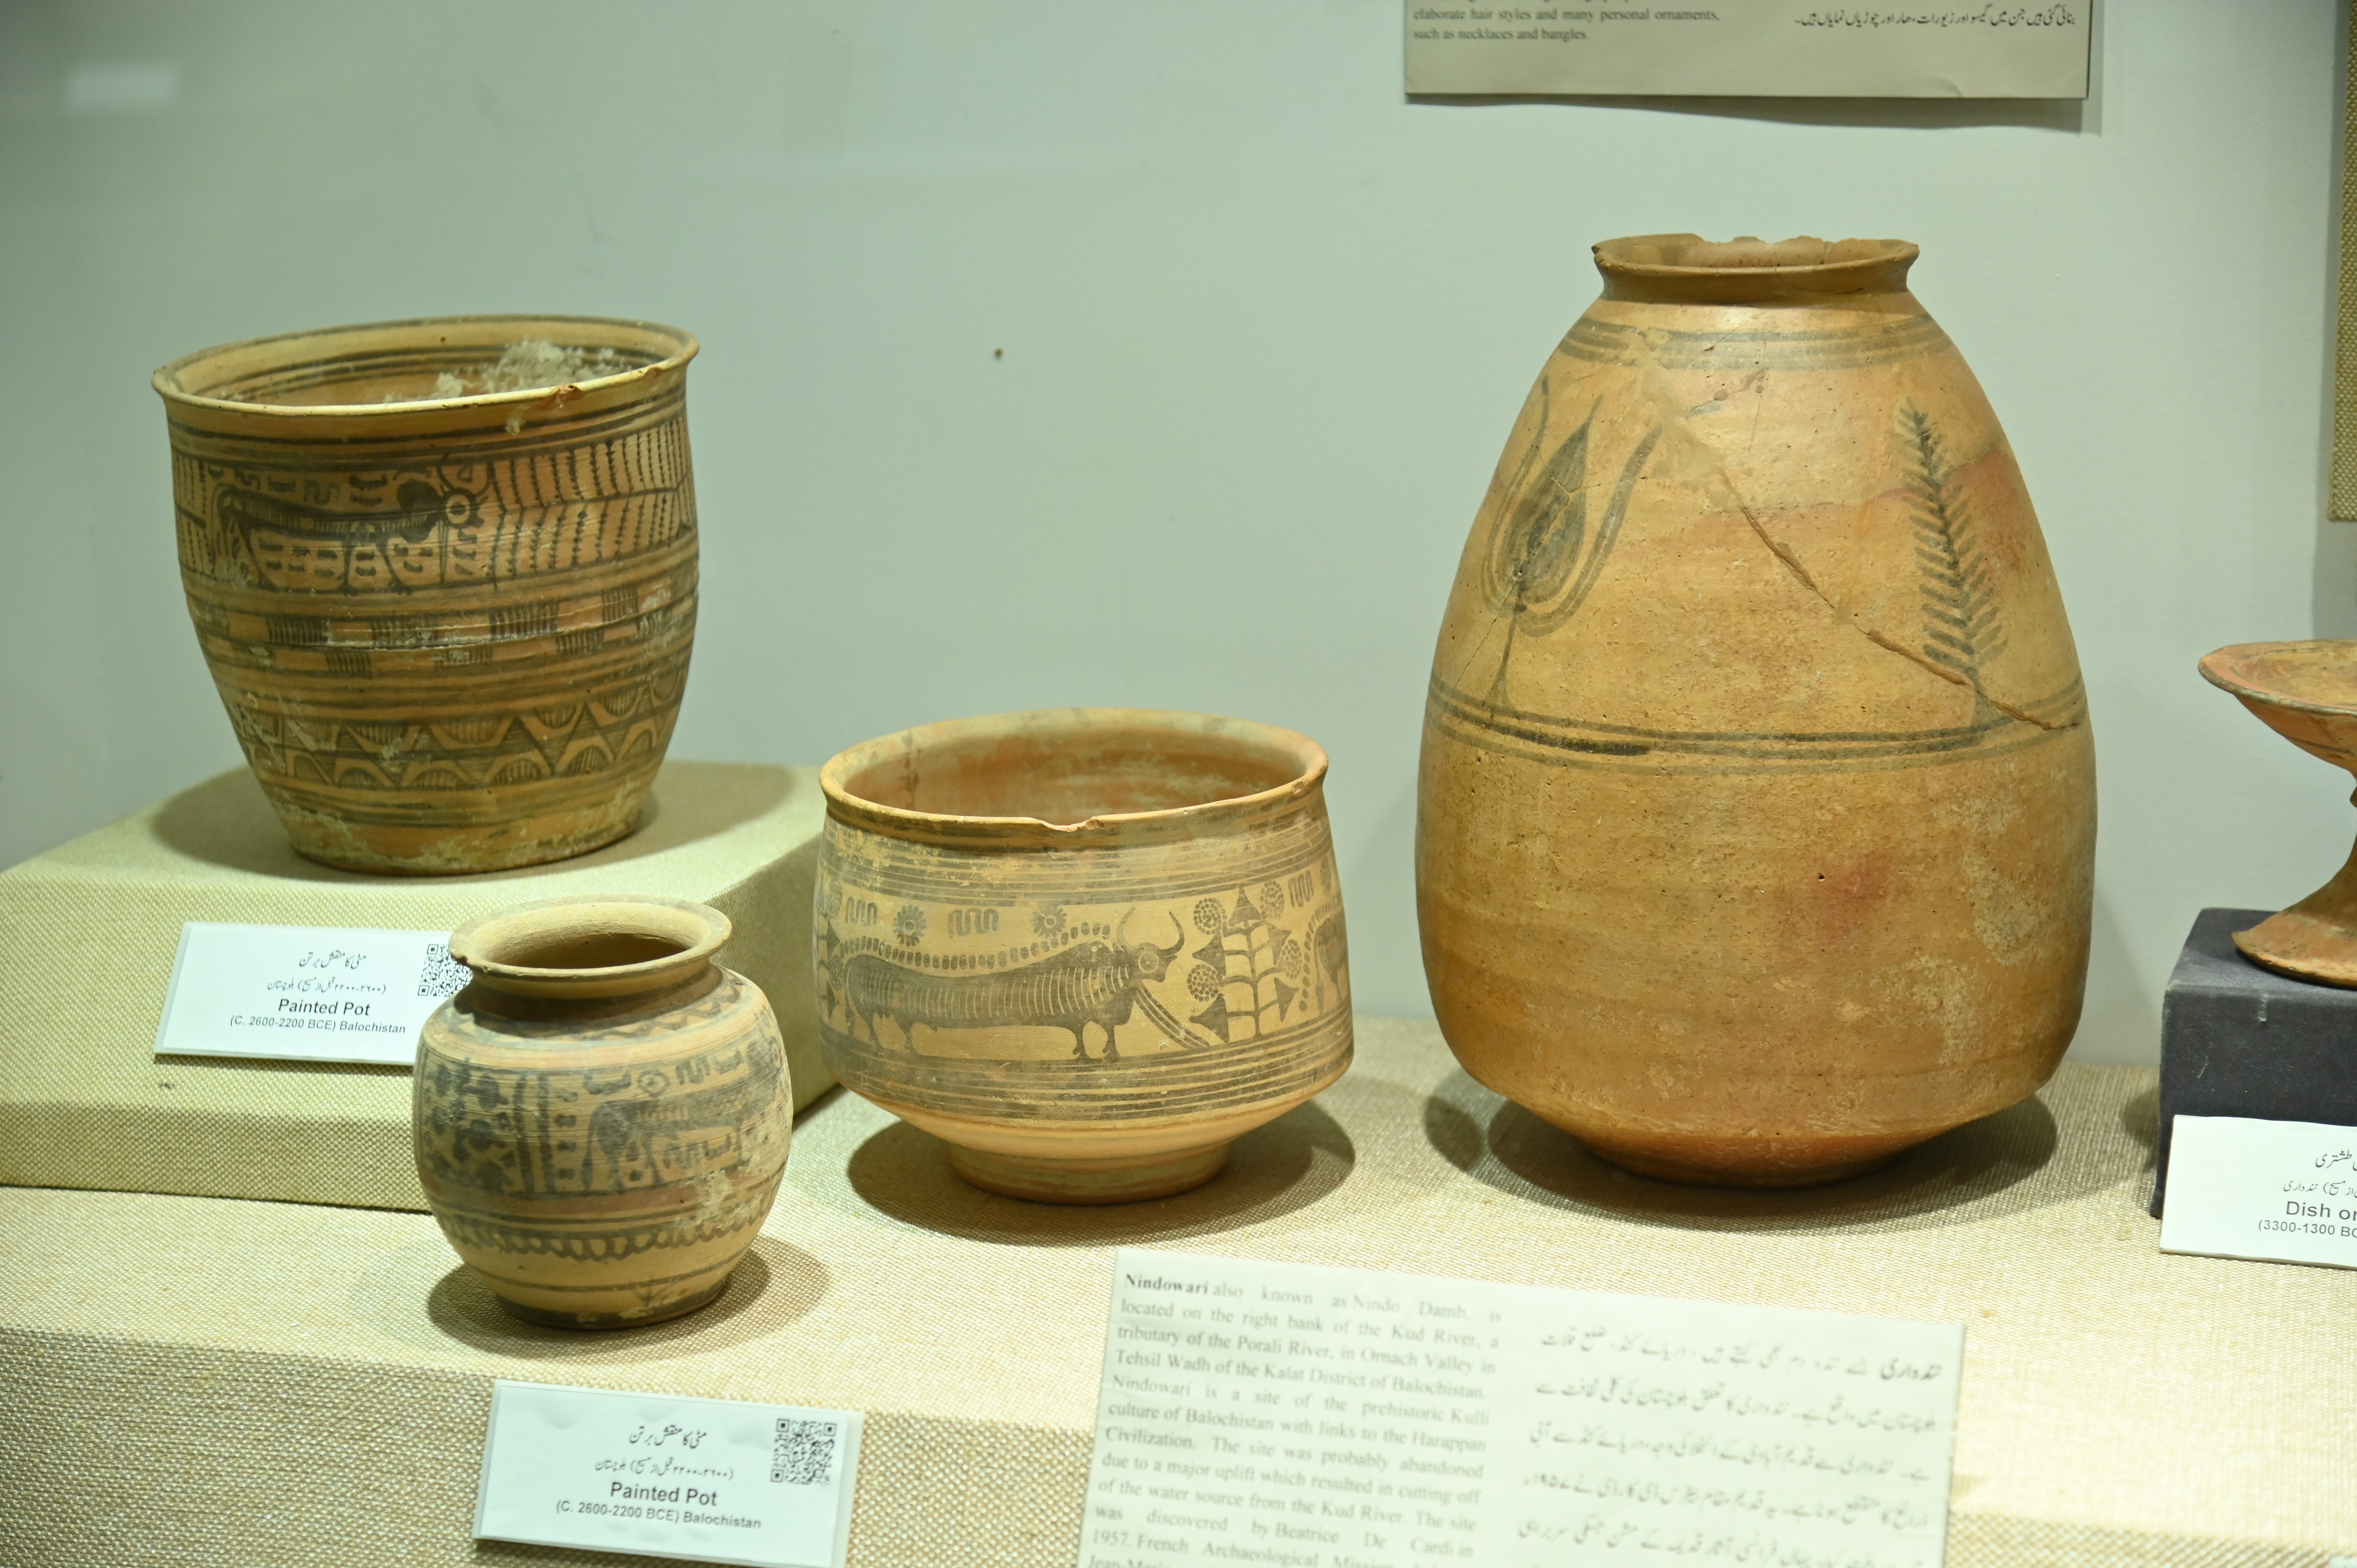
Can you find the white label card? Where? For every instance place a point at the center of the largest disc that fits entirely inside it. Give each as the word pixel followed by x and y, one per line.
pixel 312 994
pixel 1341 1418
pixel 1776 49
pixel 768 1486
pixel 2275 1191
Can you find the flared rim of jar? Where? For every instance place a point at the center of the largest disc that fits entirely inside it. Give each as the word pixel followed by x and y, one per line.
pixel 1238 769
pixel 591 946
pixel 1747 270
pixel 2254 671
pixel 256 370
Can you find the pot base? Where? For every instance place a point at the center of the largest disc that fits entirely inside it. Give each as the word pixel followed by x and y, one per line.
pixel 2300 945
pixel 452 849
pixel 662 1314
pixel 1120 1180
pixel 1751 1163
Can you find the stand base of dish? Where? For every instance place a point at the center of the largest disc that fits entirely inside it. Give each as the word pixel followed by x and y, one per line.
pixel 2304 947
pixel 1122 1180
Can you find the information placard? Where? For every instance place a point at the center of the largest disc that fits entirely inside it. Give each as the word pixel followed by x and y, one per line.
pixel 304 993
pixel 2274 1191
pixel 1285 1413
pixel 1747 48
pixel 767 1486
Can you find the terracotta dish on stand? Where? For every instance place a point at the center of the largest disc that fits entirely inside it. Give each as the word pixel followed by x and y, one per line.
pixel 2306 692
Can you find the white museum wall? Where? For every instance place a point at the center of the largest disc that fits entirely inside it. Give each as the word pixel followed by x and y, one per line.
pixel 1079 352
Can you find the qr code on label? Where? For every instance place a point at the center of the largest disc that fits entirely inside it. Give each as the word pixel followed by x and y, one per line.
pixel 443 975
pixel 804 1455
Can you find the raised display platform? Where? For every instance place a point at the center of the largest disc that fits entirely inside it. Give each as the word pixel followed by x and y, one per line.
pixel 207 1382
pixel 88 930
pixel 2239 1040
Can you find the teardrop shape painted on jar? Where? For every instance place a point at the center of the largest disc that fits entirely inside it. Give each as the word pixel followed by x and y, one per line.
pixel 1756 821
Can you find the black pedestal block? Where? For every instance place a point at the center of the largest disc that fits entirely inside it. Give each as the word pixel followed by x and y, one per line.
pixel 2239 1040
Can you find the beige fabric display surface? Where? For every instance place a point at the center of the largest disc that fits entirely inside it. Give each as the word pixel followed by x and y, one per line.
pixel 90 929
pixel 197 1380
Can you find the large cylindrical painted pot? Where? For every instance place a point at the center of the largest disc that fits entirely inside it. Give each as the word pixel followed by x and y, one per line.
pixel 1089 949
pixel 443 573
pixel 602 1115
pixel 1757 819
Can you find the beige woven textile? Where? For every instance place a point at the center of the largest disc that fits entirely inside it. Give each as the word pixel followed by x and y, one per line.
pixel 197 1381
pixel 88 931
pixel 2344 370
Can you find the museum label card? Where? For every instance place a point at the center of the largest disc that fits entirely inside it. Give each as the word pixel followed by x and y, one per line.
pixel 1342 1418
pixel 2277 1191
pixel 768 1486
pixel 304 993
pixel 1771 48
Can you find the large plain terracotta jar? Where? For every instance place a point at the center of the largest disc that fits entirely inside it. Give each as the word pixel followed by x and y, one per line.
pixel 1756 821
pixel 602 1116
pixel 443 573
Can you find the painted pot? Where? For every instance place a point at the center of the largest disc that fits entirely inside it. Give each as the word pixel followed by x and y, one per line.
pixel 602 1116
pixel 1086 948
pixel 1756 821
pixel 443 573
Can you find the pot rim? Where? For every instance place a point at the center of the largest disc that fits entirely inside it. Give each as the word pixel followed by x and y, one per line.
pixel 2223 667
pixel 898 821
pixel 166 379
pixel 1844 267
pixel 701 930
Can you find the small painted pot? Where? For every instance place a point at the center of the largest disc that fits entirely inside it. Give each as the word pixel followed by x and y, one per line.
pixel 444 573
pixel 602 1116
pixel 1086 948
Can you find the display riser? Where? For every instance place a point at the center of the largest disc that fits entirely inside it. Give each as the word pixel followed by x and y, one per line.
pixel 89 930
pixel 2239 1040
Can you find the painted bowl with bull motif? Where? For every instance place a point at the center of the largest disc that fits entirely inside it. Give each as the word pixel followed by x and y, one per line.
pixel 1087 948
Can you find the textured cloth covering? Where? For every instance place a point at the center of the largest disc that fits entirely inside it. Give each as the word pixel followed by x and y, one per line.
pixel 90 929
pixel 197 1381
pixel 2344 373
